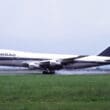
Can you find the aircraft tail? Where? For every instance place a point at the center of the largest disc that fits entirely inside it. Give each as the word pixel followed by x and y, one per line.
pixel 106 52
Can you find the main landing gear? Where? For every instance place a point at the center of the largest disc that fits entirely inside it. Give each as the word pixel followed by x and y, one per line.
pixel 47 71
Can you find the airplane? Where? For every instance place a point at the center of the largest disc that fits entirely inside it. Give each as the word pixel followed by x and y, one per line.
pixel 49 63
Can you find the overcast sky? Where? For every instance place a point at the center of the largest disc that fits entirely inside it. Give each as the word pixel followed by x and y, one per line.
pixel 55 26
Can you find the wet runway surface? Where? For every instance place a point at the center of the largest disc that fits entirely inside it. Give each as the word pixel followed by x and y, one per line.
pixel 17 71
pixel 83 72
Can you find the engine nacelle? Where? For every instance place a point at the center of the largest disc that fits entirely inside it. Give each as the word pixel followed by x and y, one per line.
pixel 51 64
pixel 33 65
pixel 55 64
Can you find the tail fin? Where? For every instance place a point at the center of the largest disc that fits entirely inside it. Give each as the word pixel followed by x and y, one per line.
pixel 106 52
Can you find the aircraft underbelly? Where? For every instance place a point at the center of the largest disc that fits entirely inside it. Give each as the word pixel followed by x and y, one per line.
pixel 81 65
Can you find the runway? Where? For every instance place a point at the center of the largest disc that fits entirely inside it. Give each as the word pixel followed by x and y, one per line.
pixel 19 71
pixel 83 72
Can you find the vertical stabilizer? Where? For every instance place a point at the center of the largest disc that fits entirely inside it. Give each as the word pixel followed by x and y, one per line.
pixel 106 52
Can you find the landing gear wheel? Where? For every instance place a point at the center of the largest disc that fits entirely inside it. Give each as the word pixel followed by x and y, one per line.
pixel 48 72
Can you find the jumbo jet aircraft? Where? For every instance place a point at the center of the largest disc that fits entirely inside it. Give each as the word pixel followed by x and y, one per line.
pixel 48 63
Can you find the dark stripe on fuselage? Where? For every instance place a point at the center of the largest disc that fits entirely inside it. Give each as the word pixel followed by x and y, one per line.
pixel 18 58
pixel 84 64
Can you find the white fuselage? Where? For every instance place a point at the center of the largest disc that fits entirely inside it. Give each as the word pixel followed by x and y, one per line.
pixel 19 54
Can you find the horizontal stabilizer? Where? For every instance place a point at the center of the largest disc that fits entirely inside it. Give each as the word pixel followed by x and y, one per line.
pixel 106 52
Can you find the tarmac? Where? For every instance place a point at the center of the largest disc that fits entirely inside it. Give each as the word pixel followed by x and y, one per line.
pixel 22 71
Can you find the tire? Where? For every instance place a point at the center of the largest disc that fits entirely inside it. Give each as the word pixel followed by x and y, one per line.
pixel 48 72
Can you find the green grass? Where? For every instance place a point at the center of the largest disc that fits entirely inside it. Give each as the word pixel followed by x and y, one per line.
pixel 53 92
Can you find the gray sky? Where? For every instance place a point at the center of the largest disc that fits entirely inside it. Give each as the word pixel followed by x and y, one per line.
pixel 55 26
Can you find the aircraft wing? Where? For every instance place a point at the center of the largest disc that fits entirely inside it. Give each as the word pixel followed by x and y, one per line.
pixel 35 64
pixel 56 64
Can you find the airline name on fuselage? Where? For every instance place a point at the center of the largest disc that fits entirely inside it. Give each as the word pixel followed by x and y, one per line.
pixel 7 54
